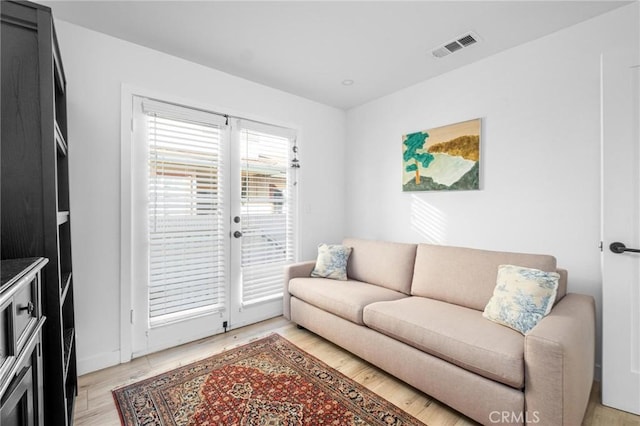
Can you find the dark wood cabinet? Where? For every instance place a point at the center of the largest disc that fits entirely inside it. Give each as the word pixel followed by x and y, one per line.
pixel 21 323
pixel 35 210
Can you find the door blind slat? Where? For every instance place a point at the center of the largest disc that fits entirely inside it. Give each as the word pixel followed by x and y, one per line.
pixel 186 241
pixel 268 207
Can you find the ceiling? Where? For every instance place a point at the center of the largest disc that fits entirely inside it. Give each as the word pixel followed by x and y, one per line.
pixel 310 48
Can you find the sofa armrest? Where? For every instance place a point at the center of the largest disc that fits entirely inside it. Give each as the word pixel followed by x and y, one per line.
pixel 559 355
pixel 295 270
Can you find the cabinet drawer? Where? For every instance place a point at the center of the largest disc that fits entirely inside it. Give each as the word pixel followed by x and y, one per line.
pixel 24 303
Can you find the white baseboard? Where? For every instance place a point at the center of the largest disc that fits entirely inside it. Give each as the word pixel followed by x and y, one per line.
pixel 98 362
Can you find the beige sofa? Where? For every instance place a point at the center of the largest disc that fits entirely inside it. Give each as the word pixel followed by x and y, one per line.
pixel 416 312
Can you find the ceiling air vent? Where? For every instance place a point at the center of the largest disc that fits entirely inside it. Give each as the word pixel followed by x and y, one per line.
pixel 458 43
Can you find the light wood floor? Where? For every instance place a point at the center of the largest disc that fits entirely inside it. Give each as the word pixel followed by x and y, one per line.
pixel 95 405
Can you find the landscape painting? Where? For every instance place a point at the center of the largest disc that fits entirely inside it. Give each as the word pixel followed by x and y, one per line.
pixel 442 159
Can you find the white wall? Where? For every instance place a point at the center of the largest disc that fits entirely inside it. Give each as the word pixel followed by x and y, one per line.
pixel 540 152
pixel 96 66
pixel 540 157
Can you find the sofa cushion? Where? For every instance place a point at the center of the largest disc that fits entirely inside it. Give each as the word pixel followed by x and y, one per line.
pixel 381 263
pixel 467 276
pixel 345 299
pixel 332 262
pixel 522 297
pixel 453 333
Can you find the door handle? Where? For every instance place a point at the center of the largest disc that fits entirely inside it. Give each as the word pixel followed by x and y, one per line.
pixel 29 307
pixel 237 234
pixel 618 248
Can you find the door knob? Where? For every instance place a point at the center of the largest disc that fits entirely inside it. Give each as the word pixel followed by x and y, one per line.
pixel 237 234
pixel 618 248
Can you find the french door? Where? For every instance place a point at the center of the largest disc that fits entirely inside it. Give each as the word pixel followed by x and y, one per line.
pixel 213 221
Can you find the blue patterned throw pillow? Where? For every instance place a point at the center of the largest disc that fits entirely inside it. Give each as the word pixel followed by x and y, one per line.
pixel 522 297
pixel 332 262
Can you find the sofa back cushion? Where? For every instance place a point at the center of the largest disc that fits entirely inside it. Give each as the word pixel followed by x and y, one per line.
pixel 381 263
pixel 466 276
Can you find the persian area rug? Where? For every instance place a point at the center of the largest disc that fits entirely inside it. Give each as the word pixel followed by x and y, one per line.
pixel 266 382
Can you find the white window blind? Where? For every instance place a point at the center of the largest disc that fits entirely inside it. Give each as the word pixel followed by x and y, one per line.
pixel 268 210
pixel 186 212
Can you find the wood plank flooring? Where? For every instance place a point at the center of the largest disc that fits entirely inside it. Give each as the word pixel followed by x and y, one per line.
pixel 95 405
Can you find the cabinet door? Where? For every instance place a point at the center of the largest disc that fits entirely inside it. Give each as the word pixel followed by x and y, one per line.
pixel 25 318
pixel 17 404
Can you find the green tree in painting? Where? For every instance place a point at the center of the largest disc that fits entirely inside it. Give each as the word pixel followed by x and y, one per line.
pixel 413 142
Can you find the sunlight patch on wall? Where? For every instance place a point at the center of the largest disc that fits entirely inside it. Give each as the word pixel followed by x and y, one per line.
pixel 428 221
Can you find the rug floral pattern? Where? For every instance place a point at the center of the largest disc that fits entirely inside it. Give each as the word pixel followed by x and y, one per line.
pixel 267 382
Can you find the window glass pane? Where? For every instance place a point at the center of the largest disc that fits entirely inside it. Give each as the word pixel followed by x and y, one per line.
pixel 267 213
pixel 186 241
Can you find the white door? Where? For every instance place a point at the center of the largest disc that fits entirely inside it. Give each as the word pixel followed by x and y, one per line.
pixel 263 226
pixel 212 222
pixel 180 255
pixel 621 224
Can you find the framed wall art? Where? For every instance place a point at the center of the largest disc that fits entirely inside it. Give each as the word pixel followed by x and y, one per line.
pixel 443 158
